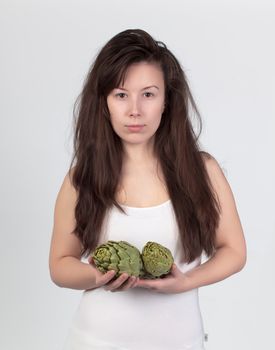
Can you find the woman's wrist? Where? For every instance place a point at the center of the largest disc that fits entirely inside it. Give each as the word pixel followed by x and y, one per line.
pixel 187 283
pixel 70 272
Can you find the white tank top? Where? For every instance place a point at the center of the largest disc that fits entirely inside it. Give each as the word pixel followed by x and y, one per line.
pixel 139 318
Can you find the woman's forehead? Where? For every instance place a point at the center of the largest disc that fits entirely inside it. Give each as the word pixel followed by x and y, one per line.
pixel 148 74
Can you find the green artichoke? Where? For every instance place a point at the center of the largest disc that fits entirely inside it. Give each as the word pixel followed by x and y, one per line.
pixel 157 259
pixel 119 256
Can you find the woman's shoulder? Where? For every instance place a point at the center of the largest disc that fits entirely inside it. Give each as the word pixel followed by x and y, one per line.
pixel 219 182
pixel 67 190
pixel 210 162
pixel 213 168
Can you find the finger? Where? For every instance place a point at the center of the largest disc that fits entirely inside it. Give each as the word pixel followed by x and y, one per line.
pixel 147 284
pixel 91 260
pixel 143 283
pixel 133 282
pixel 128 284
pixel 175 270
pixel 118 282
pixel 136 282
pixel 106 277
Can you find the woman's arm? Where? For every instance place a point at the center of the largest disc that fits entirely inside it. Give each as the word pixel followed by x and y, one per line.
pixel 230 255
pixel 65 265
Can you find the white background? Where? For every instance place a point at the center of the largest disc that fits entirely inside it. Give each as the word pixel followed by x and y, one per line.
pixel 227 51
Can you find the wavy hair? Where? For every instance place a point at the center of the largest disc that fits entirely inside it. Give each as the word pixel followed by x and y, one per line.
pixel 98 150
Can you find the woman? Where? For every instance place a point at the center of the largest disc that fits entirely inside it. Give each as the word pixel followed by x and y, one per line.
pixel 141 176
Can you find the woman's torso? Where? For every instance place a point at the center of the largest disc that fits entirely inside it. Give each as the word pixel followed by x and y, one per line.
pixel 142 188
pixel 139 318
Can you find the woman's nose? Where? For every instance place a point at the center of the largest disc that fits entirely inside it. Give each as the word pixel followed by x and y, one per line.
pixel 134 107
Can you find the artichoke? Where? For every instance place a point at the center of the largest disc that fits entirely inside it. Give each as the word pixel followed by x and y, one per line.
pixel 119 256
pixel 157 259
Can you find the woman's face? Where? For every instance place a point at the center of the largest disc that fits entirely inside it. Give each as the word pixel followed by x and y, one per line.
pixel 140 101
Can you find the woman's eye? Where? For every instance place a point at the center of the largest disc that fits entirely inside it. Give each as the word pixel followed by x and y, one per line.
pixel 120 94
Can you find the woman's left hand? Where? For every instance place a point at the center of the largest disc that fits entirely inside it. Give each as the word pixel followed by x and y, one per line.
pixel 174 282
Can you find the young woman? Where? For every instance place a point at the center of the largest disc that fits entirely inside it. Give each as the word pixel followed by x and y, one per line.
pixel 139 176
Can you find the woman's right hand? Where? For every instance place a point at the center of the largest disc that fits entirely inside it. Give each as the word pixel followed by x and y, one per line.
pixel 122 283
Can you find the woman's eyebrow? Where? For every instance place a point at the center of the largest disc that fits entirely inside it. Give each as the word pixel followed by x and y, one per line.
pixel 147 87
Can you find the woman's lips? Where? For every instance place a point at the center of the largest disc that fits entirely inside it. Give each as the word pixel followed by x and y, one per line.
pixel 135 128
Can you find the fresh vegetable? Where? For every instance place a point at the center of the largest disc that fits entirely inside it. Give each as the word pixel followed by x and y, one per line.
pixel 157 259
pixel 119 256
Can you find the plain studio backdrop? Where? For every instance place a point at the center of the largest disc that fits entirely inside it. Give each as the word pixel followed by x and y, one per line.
pixel 227 51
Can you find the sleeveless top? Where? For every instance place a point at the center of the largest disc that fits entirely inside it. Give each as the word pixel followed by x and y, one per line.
pixel 139 318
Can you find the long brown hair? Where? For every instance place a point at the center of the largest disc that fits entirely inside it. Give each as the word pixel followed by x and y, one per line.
pixel 98 149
